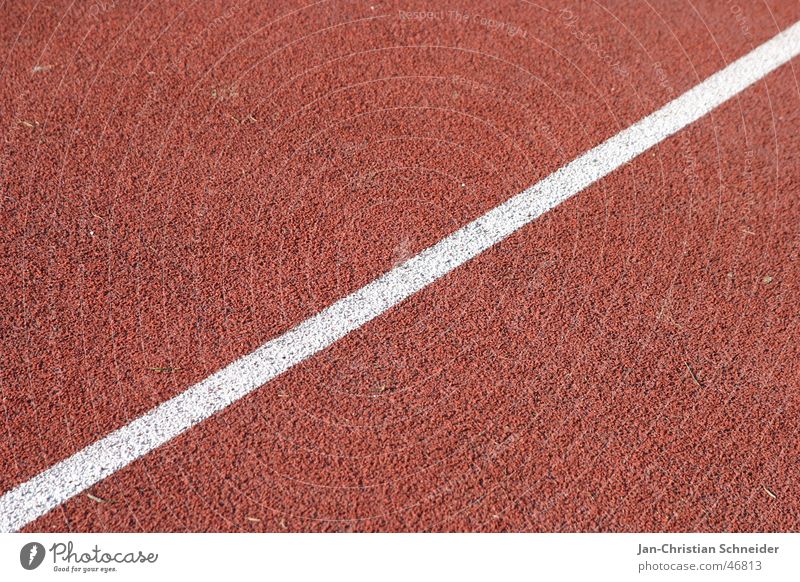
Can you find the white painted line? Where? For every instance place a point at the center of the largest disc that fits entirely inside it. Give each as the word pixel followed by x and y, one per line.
pixel 69 477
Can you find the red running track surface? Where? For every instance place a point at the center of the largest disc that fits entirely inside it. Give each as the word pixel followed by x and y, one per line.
pixel 182 182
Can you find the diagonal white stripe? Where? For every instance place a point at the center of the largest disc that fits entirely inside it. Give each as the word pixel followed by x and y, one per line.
pixel 69 477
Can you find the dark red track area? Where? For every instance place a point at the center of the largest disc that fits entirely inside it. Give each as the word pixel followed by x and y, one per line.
pixel 183 182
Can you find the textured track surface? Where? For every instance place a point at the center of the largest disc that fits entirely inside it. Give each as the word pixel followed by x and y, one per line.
pixel 183 181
